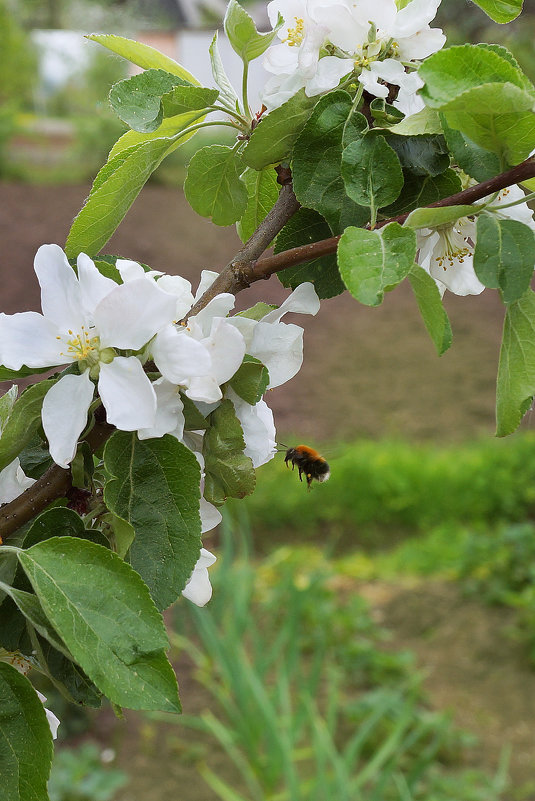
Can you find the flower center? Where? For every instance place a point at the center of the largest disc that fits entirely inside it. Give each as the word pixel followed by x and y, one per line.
pixel 296 35
pixel 454 247
pixel 81 346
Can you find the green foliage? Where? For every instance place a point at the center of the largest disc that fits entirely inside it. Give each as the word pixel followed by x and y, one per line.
pixel 138 100
pixel 143 55
pixel 113 630
pixel 477 162
pixel 309 705
pixel 273 138
pixel 229 473
pixel 372 172
pixel 317 158
pixel 213 186
pixel 417 192
pixel 23 422
pixel 430 218
pixel 25 734
pixel 485 96
pixel 516 370
pixel 305 227
pixel 243 35
pixel 18 63
pixel 433 312
pixel 251 380
pixel 504 255
pixel 262 193
pixel 79 775
pixel 374 262
pixel 501 10
pixel 154 485
pixel 396 486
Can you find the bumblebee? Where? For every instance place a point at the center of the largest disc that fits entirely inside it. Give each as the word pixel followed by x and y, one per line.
pixel 309 462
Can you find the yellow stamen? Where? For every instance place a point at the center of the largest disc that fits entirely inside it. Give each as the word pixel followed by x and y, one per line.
pixel 296 35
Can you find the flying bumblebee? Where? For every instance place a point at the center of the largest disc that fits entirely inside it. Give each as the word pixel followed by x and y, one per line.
pixel 309 462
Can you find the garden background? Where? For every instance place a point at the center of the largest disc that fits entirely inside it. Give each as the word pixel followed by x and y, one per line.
pixel 382 624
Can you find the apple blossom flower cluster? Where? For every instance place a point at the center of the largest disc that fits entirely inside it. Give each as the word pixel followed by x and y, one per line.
pixel 106 331
pixel 369 41
pixel 447 252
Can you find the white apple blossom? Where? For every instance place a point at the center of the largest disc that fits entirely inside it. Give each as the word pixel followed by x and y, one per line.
pixel 198 589
pixel 86 319
pixel 370 41
pixel 447 252
pixel 23 665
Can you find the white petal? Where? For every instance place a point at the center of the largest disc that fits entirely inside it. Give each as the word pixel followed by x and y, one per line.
pixel 218 307
pixel 181 289
pixel 93 285
pixel 204 388
pixel 29 338
pixel 53 721
pixel 226 347
pixel 328 75
pixel 281 88
pixel 382 12
pixel 280 348
pixel 345 31
pixel 281 59
pixel 522 212
pixel 210 516
pixel 169 412
pixel 421 45
pixel 198 589
pixel 245 326
pixel 459 277
pixel 289 10
pixel 129 270
pixel 127 394
pixel 258 429
pixel 389 70
pixel 303 300
pixel 132 313
pixel 415 15
pixel 370 82
pixel 61 299
pixel 179 356
pixel 13 482
pixel 207 279
pixel 64 415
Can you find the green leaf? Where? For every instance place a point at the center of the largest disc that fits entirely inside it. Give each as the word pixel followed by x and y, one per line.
pixel 8 375
pixel 213 186
pixel 242 34
pixel 154 486
pixel 431 218
pixel 68 677
pixel 497 117
pixel 23 422
pixel 7 401
pixel 372 173
pixel 516 370
pixel 475 161
pixel 452 71
pixel 143 55
pixel 106 617
pixel 25 739
pixel 137 101
pixel 8 566
pixel 228 96
pixel 229 473
pixel 421 155
pixel 374 262
pixel 426 121
pixel 305 227
pixel 501 10
pixel 122 532
pixel 504 255
pixel 250 380
pixel 384 114
pixel 257 311
pixel 170 127
pixel 57 522
pixel 317 157
pixel 29 606
pixel 273 138
pixel 262 193
pixel 431 308
pixel 183 99
pixel 194 420
pixel 417 193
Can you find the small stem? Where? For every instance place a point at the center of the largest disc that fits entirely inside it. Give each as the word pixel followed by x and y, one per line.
pixel 199 125
pixel 244 90
pixel 242 120
pixel 525 199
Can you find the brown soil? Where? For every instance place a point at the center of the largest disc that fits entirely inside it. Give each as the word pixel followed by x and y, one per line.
pixel 367 372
